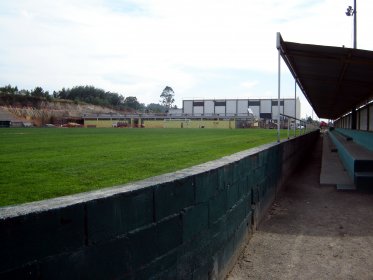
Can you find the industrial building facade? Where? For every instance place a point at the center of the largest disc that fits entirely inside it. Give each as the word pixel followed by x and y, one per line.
pixel 260 108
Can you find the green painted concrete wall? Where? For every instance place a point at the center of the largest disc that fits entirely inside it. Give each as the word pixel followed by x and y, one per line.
pixel 191 224
pixel 195 123
pixel 101 123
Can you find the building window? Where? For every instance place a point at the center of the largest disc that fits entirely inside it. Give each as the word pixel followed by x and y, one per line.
pixel 198 103
pixel 274 103
pixel 219 103
pixel 254 103
pixel 266 116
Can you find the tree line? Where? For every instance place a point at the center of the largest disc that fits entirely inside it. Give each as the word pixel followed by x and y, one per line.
pixel 88 94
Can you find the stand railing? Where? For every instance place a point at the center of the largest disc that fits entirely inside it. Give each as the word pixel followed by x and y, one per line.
pixel 297 126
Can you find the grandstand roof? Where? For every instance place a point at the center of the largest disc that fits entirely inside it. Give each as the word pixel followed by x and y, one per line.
pixel 333 79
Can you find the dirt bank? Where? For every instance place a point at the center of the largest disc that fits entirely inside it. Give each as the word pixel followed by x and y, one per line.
pixel 51 112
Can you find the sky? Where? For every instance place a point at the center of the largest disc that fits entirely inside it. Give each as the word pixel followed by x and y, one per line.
pixel 203 49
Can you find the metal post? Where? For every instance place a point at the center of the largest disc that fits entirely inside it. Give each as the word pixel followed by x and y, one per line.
pixel 353 119
pixel 288 128
pixel 295 107
pixel 352 12
pixel 355 23
pixel 279 93
pixel 354 110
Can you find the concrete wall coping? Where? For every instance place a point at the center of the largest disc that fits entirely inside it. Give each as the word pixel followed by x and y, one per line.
pixel 68 200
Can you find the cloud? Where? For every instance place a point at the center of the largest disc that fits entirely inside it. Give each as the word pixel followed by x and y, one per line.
pixel 249 85
pixel 199 48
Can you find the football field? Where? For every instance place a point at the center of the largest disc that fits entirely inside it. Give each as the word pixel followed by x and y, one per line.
pixel 40 163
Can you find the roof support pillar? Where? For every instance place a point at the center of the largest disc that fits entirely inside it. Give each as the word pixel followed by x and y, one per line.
pixel 295 108
pixel 353 118
pixel 355 25
pixel 279 87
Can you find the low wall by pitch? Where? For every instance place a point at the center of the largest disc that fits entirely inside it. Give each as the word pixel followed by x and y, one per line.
pixel 167 123
pixel 194 123
pixel 184 225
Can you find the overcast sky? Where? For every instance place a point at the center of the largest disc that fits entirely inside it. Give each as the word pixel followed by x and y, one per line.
pixel 200 48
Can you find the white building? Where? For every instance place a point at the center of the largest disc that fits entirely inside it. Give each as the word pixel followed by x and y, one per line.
pixel 261 108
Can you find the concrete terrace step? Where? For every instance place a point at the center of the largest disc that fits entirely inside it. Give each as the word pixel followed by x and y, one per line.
pixel 364 180
pixel 364 165
pixel 357 159
pixel 332 169
pixel 355 150
pixel 362 138
pixel 341 187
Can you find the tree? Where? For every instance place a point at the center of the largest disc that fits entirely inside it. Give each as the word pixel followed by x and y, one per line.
pixel 155 108
pixel 131 103
pixel 9 89
pixel 167 97
pixel 92 95
pixel 39 92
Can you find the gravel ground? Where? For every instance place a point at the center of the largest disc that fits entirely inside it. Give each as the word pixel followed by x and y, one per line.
pixel 311 232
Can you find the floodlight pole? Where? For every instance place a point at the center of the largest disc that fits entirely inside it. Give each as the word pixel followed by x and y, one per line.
pixel 352 12
pixel 355 46
pixel 355 23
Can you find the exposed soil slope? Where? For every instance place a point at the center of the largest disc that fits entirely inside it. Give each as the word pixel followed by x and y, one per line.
pixel 50 112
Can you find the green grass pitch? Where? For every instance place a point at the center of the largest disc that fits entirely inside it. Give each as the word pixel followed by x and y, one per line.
pixel 40 163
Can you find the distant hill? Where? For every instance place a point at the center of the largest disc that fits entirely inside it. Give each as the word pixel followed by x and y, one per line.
pixel 40 107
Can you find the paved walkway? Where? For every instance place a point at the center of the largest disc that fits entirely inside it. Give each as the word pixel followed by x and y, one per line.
pixel 312 232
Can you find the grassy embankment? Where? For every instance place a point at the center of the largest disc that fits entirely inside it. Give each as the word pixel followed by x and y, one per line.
pixel 43 163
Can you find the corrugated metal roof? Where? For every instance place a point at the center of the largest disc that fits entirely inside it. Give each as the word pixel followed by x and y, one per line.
pixel 334 79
